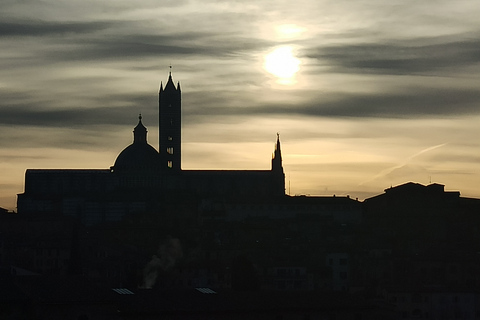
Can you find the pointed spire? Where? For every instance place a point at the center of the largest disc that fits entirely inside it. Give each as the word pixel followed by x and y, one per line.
pixel 277 156
pixel 277 146
pixel 277 167
pixel 170 75
pixel 170 86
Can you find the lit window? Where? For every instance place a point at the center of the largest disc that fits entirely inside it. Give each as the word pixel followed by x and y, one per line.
pixel 170 164
pixel 170 150
pixel 170 138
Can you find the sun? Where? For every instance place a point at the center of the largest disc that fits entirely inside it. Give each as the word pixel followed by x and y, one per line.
pixel 282 63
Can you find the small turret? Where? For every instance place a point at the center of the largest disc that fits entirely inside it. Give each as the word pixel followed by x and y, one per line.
pixel 140 132
pixel 139 156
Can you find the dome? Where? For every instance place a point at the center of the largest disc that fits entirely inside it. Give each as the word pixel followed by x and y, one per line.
pixel 139 155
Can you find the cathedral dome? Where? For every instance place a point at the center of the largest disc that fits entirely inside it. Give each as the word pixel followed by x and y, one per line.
pixel 139 155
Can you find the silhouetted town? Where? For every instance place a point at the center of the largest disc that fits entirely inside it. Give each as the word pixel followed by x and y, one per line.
pixel 145 239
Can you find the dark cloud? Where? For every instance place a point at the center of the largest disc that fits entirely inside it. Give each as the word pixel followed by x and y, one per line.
pixel 45 28
pixel 122 109
pixel 122 40
pixel 413 103
pixel 178 44
pixel 136 47
pixel 109 109
pixel 402 57
pixel 184 46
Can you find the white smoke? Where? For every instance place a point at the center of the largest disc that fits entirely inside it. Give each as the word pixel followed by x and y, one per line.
pixel 168 253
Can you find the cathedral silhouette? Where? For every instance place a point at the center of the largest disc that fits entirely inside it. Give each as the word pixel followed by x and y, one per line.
pixel 142 178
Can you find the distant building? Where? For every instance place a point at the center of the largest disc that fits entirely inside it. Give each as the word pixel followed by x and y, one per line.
pixel 414 215
pixel 423 237
pixel 142 178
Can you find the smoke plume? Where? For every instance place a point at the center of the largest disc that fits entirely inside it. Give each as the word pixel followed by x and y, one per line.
pixel 167 255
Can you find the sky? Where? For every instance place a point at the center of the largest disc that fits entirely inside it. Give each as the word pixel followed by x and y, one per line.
pixel 364 94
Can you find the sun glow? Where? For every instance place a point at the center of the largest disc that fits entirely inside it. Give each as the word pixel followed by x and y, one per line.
pixel 289 31
pixel 283 64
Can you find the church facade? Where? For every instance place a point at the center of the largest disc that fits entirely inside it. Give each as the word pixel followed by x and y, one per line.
pixel 143 178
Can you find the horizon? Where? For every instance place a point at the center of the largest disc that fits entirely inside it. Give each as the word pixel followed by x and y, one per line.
pixel 365 96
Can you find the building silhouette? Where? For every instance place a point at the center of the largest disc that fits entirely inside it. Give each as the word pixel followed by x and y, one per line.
pixel 169 126
pixel 143 178
pixel 411 252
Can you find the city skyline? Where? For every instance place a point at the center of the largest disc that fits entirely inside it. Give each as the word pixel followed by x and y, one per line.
pixel 365 95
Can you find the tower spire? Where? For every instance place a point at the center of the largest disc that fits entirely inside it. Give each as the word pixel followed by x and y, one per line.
pixel 170 74
pixel 277 167
pixel 170 85
pixel 277 154
pixel 277 147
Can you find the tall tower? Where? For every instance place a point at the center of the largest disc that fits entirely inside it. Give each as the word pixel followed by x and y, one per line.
pixel 277 169
pixel 169 126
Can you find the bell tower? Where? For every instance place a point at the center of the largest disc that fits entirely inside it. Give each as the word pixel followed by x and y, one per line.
pixel 169 126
